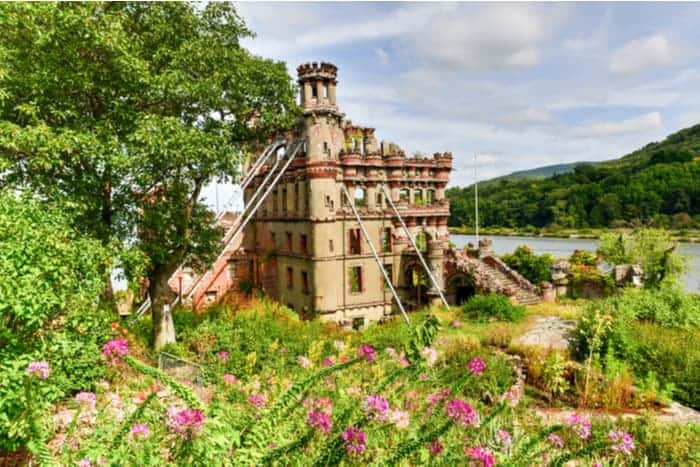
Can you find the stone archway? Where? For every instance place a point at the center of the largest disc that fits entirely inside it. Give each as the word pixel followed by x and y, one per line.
pixel 415 285
pixel 460 288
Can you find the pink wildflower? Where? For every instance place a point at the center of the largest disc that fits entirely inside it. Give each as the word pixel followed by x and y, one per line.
pixel 367 352
pixel 435 447
pixel 624 442
pixel 86 398
pixel 377 407
pixel 223 356
pixel 511 396
pixel 303 361
pixel 338 345
pixel 140 430
pixel 258 400
pixel 186 423
pixel 555 440
pixel 477 366
pixel 400 418
pixel 504 437
pixel 355 440
pixel 229 379
pixel 84 463
pixel 403 361
pixel 390 351
pixel 327 362
pixel 438 396
pixel 430 355
pixel 461 412
pixel 115 350
pixel 39 369
pixel 479 454
pixel 319 420
pixel 580 424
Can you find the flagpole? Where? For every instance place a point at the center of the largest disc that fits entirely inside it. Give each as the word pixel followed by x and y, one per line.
pixel 476 205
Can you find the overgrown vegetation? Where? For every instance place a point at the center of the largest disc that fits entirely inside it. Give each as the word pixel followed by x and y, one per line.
pixel 534 268
pixel 492 307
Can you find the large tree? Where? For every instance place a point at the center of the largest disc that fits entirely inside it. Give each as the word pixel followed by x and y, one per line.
pixel 128 110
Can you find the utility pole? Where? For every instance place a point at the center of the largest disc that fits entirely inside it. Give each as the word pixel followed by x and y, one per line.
pixel 476 205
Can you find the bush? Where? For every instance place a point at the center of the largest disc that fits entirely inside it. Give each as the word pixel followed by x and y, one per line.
pixel 534 268
pixel 50 283
pixel 492 306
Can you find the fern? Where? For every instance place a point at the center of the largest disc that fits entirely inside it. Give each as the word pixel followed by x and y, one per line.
pixel 524 453
pixel 131 419
pixel 583 452
pixel 256 440
pixel 182 391
pixel 37 444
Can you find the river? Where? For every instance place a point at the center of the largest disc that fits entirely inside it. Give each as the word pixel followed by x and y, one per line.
pixel 563 247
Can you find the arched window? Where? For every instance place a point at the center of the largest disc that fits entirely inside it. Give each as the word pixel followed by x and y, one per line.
pixel 422 241
pixel 360 197
pixel 430 196
pixel 418 197
pixel 403 194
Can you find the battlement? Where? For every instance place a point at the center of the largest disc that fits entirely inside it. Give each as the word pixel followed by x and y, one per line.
pixel 315 71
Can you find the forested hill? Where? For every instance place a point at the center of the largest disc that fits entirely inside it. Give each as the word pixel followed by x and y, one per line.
pixel 658 184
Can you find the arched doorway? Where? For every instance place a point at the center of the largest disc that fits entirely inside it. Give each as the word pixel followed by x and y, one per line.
pixel 461 288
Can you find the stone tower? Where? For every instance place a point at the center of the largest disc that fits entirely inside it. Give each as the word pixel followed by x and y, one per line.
pixel 305 246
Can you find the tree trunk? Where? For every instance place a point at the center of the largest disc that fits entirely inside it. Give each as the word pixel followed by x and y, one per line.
pixel 161 313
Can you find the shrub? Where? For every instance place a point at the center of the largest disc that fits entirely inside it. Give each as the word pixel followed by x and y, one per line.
pixel 493 306
pixel 583 258
pixel 50 283
pixel 534 268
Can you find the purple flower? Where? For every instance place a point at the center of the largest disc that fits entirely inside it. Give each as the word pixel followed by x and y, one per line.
pixel 400 418
pixel 186 423
pixel 223 356
pixel 86 398
pixel 327 362
pixel 115 350
pixel 354 440
pixel 624 442
pixel 504 437
pixel 580 424
pixel 39 369
pixel 319 420
pixel 461 412
pixel 435 447
pixel 229 379
pixel 367 352
pixel 303 361
pixel 377 407
pixel 430 355
pixel 477 366
pixel 480 454
pixel 555 440
pixel 140 430
pixel 258 400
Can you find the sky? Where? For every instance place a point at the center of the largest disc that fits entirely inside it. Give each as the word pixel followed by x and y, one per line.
pixel 521 85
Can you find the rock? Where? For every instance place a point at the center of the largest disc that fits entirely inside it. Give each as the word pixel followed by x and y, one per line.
pixel 549 332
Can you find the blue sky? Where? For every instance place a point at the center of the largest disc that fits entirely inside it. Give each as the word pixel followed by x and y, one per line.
pixel 524 85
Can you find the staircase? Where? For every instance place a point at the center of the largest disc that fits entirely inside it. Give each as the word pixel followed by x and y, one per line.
pixel 503 282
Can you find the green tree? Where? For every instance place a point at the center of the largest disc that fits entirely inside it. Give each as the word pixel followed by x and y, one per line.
pixel 534 268
pixel 128 110
pixel 652 249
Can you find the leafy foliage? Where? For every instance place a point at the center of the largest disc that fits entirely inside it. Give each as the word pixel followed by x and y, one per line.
pixel 493 306
pixel 534 268
pixel 652 249
pixel 48 306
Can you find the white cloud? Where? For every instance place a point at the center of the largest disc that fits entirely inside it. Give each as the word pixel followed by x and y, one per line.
pixel 487 37
pixel 527 117
pixel 650 122
pixel 644 53
pixel 382 56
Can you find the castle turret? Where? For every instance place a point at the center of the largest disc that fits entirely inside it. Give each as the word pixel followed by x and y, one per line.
pixel 317 83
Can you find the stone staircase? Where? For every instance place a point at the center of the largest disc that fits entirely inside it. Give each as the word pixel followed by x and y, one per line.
pixel 504 282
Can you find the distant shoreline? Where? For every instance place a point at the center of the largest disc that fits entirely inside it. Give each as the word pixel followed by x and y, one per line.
pixel 689 236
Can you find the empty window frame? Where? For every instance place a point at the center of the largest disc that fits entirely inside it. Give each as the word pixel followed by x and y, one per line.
pixel 418 197
pixel 404 194
pixel 355 279
pixel 288 244
pixel 385 240
pixel 354 241
pixel 290 278
pixel 303 244
pixel 305 282
pixel 422 241
pixel 389 272
pixel 430 197
pixel 360 197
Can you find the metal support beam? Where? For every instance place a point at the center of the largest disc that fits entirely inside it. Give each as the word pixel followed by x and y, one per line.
pixel 387 195
pixel 380 263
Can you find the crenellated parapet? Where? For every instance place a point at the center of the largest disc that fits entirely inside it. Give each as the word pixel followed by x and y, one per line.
pixel 314 71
